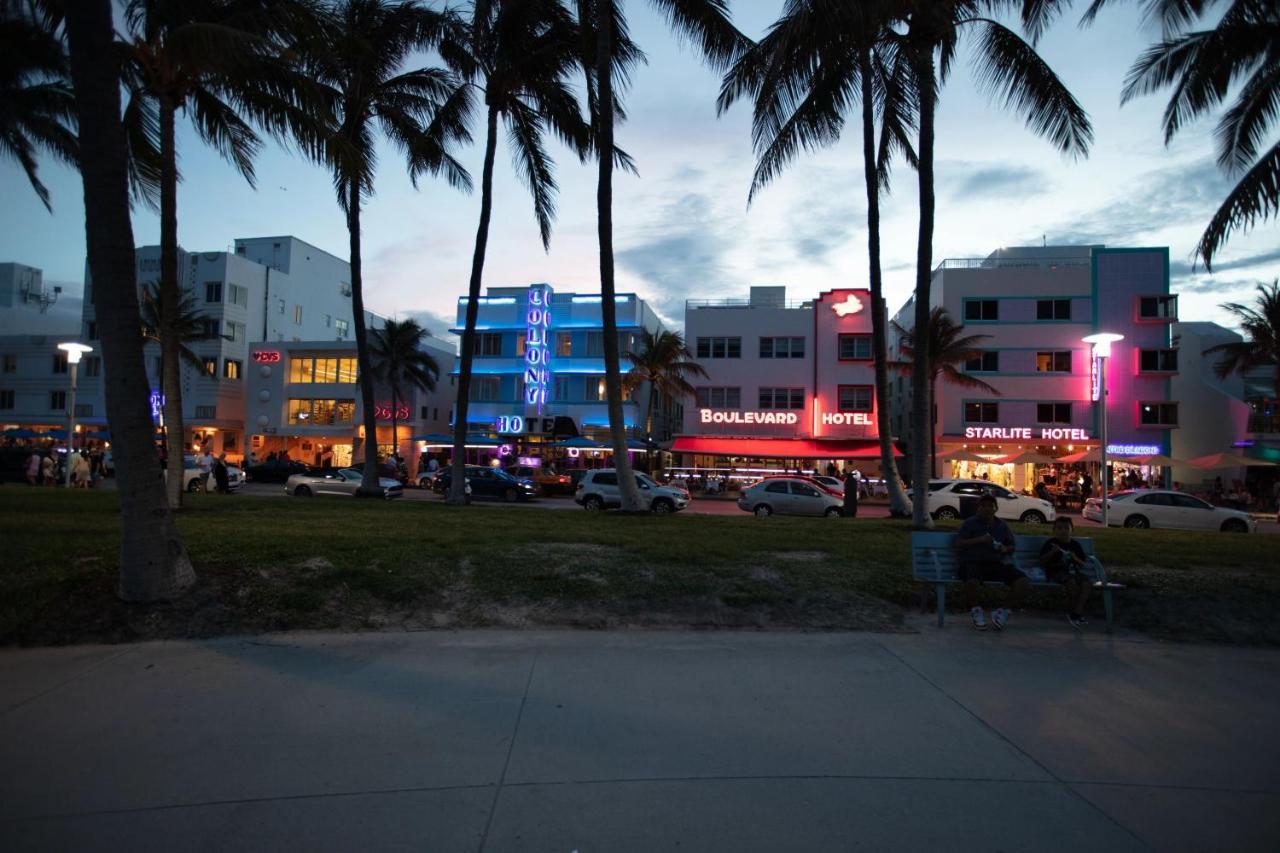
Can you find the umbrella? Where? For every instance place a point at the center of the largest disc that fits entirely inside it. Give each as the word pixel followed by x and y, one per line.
pixel 20 432
pixel 579 442
pixel 1094 455
pixel 962 455
pixel 1223 461
pixel 59 434
pixel 1158 460
pixel 1027 457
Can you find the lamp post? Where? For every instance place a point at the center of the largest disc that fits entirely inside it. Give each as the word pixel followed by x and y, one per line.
pixel 74 351
pixel 1101 342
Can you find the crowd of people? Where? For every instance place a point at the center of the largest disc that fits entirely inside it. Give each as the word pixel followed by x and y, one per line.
pixel 46 466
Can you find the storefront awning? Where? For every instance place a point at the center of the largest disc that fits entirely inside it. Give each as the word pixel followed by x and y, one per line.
pixel 779 448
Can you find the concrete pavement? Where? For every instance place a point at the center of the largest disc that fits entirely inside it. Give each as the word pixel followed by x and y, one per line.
pixel 1035 739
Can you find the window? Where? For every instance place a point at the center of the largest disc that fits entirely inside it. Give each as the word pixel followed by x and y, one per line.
pixel 1158 361
pixel 804 490
pixel 84 410
pixel 326 370
pixel 987 361
pixel 1158 414
pixel 300 370
pixel 1053 309
pixel 91 330
pixel 595 344
pixel 280 305
pixel 719 347
pixel 340 326
pixel 604 479
pixel 57 401
pixel 981 309
pixel 1157 499
pixel 238 295
pixel 1053 362
pixel 6 399
pixel 564 344
pixel 10 363
pixel 209 364
pixel 230 368
pixel 1157 307
pixel 347 369
pixel 981 413
pixel 213 291
pixel 719 398
pixel 855 347
pixel 782 347
pixel 1053 413
pixel 593 389
pixel 321 412
pixel 781 398
pixel 1188 502
pixel 210 327
pixel 855 398
pixel 207 412
pixel 59 362
pixel 561 390
pixel 297 315
pixel 487 344
pixel 777 487
pixel 322 369
pixel 328 321
pixel 422 413
pixel 484 388
pixel 93 365
pixel 522 343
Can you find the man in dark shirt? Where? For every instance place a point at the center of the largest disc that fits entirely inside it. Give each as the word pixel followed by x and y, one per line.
pixel 1062 559
pixel 985 544
pixel 850 494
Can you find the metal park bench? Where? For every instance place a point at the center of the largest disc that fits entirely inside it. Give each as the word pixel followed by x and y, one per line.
pixel 934 561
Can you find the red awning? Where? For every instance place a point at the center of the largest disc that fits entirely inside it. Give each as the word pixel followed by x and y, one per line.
pixel 780 448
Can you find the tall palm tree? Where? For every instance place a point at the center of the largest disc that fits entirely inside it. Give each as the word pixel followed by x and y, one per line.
pixel 817 61
pixel 397 360
pixel 153 562
pixel 187 324
pixel 37 110
pixel 217 61
pixel 1009 69
pixel 946 348
pixel 1261 325
pixel 605 53
pixel 520 53
pixel 665 364
pixel 1240 55
pixel 357 61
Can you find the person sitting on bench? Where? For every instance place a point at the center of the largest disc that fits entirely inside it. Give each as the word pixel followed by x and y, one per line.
pixel 985 544
pixel 1062 559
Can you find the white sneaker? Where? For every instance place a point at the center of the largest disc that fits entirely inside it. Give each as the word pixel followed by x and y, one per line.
pixel 999 618
pixel 979 618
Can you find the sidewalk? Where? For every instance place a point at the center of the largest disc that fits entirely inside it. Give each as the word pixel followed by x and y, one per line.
pixel 1037 739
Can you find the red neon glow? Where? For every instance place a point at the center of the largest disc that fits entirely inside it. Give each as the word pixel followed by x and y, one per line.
pixel 781 448
pixel 382 411
pixel 266 356
pixel 851 305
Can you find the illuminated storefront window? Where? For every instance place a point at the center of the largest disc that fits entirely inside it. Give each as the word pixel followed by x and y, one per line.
pixel 321 412
pixel 309 370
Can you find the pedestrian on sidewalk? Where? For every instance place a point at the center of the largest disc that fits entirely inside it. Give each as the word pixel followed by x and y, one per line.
pixel 46 470
pixel 850 493
pixel 33 469
pixel 220 475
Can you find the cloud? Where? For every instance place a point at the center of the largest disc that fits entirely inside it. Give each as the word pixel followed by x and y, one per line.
pixel 977 180
pixel 821 221
pixel 435 322
pixel 1177 269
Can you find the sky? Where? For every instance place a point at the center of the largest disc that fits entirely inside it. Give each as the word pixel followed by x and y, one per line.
pixel 683 228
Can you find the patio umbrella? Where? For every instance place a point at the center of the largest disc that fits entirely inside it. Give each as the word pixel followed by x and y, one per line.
pixel 961 455
pixel 1223 461
pixel 58 434
pixel 1027 457
pixel 1158 460
pixel 580 443
pixel 1094 455
pixel 20 432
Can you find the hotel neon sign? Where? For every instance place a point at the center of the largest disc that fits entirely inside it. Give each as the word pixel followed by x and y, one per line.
pixel 710 416
pixel 1026 433
pixel 537 348
pixel 846 418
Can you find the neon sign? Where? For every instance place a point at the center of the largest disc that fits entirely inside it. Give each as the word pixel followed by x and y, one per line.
pixel 1134 449
pixel 712 417
pixel 1095 379
pixel 537 349
pixel 504 450
pixel 846 418
pixel 266 356
pixel 382 411
pixel 157 406
pixel 1025 433
pixel 509 424
pixel 529 461
pixel 851 305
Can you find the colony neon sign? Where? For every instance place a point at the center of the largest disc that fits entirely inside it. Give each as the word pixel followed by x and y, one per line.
pixel 537 348
pixel 710 416
pixel 1025 433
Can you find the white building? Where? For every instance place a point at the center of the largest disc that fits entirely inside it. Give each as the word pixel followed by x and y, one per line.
pixel 29 305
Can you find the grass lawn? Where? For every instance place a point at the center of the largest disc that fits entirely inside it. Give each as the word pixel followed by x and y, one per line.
pixel 275 564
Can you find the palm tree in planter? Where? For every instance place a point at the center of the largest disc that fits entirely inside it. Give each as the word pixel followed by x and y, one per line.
pixel 356 58
pixel 607 55
pixel 1261 325
pixel 665 364
pixel 946 349
pixel 397 360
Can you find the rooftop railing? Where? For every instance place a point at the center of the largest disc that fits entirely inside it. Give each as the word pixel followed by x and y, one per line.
pixel 747 303
pixel 1011 263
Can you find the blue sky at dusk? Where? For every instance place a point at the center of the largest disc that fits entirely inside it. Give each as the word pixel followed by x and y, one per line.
pixel 682 227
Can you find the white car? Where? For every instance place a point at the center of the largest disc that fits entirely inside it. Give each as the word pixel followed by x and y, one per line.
pixel 598 490
pixel 191 475
pixel 1144 508
pixel 791 496
pixel 944 501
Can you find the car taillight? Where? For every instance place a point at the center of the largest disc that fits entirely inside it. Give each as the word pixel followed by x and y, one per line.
pixel 564 479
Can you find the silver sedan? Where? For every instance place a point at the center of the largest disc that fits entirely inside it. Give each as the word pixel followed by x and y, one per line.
pixel 343 482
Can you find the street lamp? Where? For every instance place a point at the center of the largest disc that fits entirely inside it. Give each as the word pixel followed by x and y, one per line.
pixel 74 351
pixel 1101 342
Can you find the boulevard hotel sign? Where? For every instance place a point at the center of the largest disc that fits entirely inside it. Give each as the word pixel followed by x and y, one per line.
pixel 1028 433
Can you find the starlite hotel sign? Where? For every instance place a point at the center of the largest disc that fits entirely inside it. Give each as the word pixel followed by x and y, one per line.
pixel 537 347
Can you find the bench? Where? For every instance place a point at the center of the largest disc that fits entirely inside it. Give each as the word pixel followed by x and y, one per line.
pixel 934 561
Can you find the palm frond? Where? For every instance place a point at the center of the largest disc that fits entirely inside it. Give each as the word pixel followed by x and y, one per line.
pixel 706 23
pixel 1255 197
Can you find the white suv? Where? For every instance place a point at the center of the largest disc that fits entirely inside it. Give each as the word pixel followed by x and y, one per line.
pixel 944 501
pixel 598 489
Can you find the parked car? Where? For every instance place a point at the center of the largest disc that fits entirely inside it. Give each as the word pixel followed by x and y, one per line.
pixel 835 484
pixel 486 482
pixel 944 501
pixel 276 470
pixel 546 479
pixel 342 482
pixel 191 474
pixel 598 489
pixel 791 496
pixel 1144 508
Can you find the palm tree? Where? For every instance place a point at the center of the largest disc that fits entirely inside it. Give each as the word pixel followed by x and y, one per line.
pixel 520 53
pixel 188 325
pixel 805 75
pixel 357 61
pixel 217 61
pixel 945 347
pixel 153 562
pixel 607 50
pixel 665 364
pixel 1261 325
pixel 397 360
pixel 37 110
pixel 1240 56
pixel 1008 68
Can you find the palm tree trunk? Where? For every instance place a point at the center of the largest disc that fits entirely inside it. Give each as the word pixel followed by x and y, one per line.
pixel 458 483
pixel 933 427
pixel 648 428
pixel 629 492
pixel 171 296
pixel 369 477
pixel 898 504
pixel 153 563
pixel 920 414
pixel 395 425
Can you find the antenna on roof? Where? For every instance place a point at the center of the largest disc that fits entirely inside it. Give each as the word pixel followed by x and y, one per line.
pixel 1044 240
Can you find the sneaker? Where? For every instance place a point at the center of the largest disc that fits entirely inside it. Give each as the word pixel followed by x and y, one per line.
pixel 1077 621
pixel 999 618
pixel 979 618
